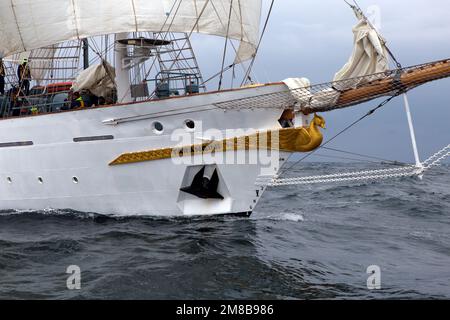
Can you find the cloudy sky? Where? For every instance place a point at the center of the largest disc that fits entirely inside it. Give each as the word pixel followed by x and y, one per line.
pixel 313 39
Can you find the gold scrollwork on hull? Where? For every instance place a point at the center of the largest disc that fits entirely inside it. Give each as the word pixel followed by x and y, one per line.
pixel 286 140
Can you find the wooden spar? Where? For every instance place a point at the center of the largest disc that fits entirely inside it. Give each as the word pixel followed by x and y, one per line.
pixel 408 80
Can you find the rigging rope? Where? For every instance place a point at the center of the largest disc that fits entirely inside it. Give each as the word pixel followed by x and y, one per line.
pixel 393 162
pixel 147 74
pixel 249 70
pixel 226 46
pixel 368 114
pixel 391 54
pixel 359 176
pixel 324 97
pixel 233 46
pixel 345 158
pixel 407 171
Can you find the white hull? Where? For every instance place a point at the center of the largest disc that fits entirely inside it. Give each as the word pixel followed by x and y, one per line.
pixel 41 176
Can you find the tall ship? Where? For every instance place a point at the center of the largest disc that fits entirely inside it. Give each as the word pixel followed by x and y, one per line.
pixel 104 107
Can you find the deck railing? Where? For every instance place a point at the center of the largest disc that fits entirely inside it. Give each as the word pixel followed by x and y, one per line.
pixel 13 105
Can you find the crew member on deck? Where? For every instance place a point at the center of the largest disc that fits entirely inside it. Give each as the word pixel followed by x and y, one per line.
pixel 24 75
pixel 287 118
pixel 15 103
pixel 2 78
pixel 77 101
pixel 101 101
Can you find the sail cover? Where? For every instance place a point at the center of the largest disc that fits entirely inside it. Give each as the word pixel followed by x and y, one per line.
pixel 98 79
pixel 32 24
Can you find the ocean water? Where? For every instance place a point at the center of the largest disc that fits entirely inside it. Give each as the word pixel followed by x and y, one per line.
pixel 302 242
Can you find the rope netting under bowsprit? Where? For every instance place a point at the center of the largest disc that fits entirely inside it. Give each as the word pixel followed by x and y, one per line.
pixel 360 176
pixel 436 159
pixel 345 93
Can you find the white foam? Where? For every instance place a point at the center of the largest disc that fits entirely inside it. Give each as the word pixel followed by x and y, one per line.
pixel 293 217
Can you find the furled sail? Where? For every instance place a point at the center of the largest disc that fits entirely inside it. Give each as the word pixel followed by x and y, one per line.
pixel 369 54
pixel 98 79
pixel 27 25
pixel 303 96
pixel 369 58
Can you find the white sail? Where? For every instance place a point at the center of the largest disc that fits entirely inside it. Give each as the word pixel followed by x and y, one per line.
pixel 40 66
pixel 27 25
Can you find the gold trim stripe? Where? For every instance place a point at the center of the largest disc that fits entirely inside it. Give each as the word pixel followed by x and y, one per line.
pixel 290 140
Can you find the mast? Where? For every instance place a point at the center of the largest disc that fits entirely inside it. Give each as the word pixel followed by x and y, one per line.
pixel 122 73
pixel 85 42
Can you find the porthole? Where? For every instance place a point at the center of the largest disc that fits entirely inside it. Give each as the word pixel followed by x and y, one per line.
pixel 9 180
pixel 189 125
pixel 75 180
pixel 40 180
pixel 158 128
